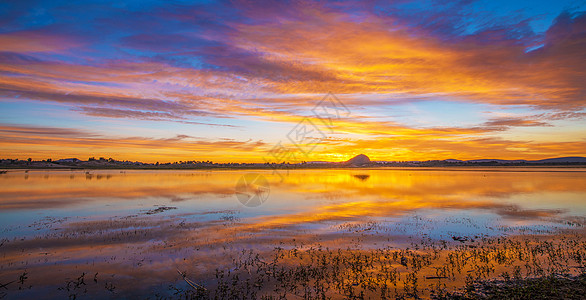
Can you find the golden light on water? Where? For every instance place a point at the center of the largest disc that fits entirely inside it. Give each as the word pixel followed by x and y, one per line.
pixel 139 222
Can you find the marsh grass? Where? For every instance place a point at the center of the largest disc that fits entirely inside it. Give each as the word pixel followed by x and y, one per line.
pixel 546 287
pixel 524 265
pixel 225 259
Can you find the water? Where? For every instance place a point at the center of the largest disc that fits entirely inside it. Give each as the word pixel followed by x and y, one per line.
pixel 134 225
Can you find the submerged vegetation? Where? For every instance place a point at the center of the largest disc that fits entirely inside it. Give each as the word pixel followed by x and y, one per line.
pixel 463 267
pixel 545 287
pixel 428 270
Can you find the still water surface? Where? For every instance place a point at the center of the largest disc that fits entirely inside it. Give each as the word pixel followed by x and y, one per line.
pixel 141 226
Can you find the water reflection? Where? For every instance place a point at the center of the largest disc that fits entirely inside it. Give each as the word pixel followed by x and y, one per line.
pixel 132 223
pixel 361 177
pixel 305 196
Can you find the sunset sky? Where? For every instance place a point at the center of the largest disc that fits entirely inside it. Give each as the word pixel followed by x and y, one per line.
pixel 228 81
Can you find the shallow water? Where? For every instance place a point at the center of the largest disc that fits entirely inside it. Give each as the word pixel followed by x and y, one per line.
pixel 131 225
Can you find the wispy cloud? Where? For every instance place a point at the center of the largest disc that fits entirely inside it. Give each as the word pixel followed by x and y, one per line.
pixel 216 64
pixel 518 122
pixel 58 142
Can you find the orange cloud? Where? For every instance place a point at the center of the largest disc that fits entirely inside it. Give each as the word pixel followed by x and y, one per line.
pixel 375 57
pixel 431 147
pixel 272 72
pixel 42 143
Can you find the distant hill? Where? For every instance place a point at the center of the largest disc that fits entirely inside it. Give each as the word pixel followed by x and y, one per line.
pixel 557 160
pixel 573 159
pixel 358 160
pixel 561 161
pixel 487 160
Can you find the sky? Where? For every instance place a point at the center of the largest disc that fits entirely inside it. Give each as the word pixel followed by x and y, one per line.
pixel 258 81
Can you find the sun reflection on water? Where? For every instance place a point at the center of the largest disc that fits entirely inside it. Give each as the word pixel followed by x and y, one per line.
pixel 126 226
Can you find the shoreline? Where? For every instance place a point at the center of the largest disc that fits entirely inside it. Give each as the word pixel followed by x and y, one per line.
pixel 495 168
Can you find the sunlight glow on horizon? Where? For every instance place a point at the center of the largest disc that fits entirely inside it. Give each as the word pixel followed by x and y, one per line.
pixel 228 82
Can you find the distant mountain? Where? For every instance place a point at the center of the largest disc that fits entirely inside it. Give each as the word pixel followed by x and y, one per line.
pixel 575 160
pixel 563 160
pixel 557 160
pixel 505 161
pixel 358 160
